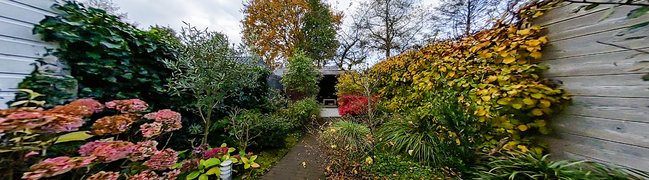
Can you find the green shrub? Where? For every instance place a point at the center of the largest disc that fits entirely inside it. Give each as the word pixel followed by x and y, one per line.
pixel 349 136
pixel 533 166
pixel 302 112
pixel 275 100
pixel 385 165
pixel 346 144
pixel 302 78
pixel 274 130
pixel 110 59
pixel 450 138
pixel 59 89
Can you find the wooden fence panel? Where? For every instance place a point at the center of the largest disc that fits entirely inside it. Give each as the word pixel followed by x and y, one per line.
pixel 601 64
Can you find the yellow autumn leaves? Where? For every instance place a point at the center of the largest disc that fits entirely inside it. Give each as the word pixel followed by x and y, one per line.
pixel 495 67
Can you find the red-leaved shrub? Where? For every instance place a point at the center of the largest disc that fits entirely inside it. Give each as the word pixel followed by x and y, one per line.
pixel 353 105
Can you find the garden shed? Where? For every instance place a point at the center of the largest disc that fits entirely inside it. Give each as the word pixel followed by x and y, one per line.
pixel 19 48
pixel 327 92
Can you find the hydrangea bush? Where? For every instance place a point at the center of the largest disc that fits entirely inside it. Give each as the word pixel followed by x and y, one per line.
pixel 37 129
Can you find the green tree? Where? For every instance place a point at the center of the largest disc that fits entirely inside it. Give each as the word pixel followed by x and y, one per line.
pixel 320 25
pixel 206 69
pixel 302 78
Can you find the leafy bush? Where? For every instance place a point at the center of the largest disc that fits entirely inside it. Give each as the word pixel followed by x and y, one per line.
pixel 301 80
pixel 346 85
pixel 345 143
pixel 347 136
pixel 59 89
pixel 275 100
pixel 496 66
pixel 274 130
pixel 449 139
pixel 302 112
pixel 110 59
pixel 385 165
pixel 533 166
pixel 243 125
pixel 352 105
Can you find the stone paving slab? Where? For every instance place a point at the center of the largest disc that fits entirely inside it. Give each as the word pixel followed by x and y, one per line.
pixel 303 162
pixel 329 113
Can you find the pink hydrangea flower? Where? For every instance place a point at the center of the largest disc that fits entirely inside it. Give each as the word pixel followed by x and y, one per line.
pixel 103 175
pixel 171 120
pixel 151 129
pixel 95 106
pixel 56 166
pixel 128 106
pixel 24 115
pixel 143 150
pixel 88 148
pixel 61 123
pixel 162 160
pixel 171 174
pixel 107 151
pixel 111 104
pixel 145 175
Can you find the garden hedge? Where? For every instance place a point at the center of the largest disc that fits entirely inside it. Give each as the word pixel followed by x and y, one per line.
pixel 498 71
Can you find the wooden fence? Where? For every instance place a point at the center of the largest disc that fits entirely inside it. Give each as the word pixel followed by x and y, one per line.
pixel 601 64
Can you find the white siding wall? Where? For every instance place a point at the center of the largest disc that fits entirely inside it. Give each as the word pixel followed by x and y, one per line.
pixel 18 46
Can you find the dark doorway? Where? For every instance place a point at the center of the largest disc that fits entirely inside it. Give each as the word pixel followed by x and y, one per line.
pixel 327 94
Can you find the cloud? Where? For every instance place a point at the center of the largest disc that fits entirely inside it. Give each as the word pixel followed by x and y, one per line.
pixel 216 15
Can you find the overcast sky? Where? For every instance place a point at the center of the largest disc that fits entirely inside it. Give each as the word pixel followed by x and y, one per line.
pixel 218 15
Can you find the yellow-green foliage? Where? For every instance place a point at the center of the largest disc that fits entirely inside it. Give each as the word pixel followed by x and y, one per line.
pixel 495 67
pixel 346 85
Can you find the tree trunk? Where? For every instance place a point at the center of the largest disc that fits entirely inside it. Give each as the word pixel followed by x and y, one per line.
pixel 388 39
pixel 467 31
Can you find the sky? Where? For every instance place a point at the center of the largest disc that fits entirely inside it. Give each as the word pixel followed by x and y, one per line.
pixel 218 15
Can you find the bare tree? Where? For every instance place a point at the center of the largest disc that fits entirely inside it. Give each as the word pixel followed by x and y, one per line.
pixel 392 25
pixel 463 17
pixel 107 5
pixel 353 47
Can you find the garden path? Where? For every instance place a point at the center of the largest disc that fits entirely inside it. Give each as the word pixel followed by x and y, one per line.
pixel 329 112
pixel 304 161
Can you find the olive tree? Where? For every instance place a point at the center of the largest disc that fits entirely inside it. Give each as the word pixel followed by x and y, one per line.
pixel 206 68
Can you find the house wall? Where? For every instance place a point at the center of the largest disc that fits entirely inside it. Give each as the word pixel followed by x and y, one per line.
pixel 18 46
pixel 601 64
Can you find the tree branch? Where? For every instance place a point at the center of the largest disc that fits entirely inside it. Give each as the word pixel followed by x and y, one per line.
pixel 628 3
